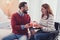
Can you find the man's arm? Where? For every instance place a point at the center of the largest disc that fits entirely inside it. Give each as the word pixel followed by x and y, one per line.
pixel 14 23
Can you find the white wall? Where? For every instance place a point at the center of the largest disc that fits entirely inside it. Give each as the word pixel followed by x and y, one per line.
pixel 58 11
pixel 34 9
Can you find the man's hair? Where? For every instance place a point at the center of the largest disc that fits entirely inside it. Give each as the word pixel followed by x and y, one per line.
pixel 22 4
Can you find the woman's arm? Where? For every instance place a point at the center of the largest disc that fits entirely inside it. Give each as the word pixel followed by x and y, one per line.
pixel 50 24
pixel 49 27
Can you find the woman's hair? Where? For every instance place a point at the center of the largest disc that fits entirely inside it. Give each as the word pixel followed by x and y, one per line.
pixel 48 10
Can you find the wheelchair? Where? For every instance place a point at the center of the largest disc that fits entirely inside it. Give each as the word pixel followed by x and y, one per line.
pixel 54 35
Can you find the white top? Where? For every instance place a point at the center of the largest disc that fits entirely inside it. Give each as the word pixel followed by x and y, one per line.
pixel 47 23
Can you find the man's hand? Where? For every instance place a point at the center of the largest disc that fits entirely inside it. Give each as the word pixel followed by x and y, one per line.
pixel 27 26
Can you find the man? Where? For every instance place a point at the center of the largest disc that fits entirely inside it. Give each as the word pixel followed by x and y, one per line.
pixel 20 23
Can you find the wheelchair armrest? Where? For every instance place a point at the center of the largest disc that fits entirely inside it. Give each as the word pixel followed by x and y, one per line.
pixel 55 32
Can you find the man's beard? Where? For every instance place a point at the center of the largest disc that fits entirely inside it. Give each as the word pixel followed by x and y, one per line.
pixel 25 11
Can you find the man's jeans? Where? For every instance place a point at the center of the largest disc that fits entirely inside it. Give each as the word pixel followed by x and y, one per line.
pixel 15 36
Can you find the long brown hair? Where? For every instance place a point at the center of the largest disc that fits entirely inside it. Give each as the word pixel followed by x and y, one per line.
pixel 49 11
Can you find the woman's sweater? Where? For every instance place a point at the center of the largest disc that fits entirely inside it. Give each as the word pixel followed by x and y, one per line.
pixel 47 23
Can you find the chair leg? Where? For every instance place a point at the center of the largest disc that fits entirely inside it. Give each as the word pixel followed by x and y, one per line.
pixel 56 38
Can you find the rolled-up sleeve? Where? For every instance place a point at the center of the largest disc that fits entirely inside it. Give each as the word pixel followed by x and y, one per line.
pixel 22 27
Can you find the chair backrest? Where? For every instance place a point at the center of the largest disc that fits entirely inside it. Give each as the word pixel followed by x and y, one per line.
pixel 56 25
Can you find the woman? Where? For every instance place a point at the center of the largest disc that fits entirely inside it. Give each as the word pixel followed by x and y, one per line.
pixel 46 23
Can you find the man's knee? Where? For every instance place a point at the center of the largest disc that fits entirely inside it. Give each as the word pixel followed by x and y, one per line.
pixel 24 37
pixel 5 38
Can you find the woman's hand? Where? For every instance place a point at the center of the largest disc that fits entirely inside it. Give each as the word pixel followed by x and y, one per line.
pixel 31 24
pixel 38 26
